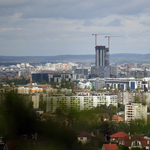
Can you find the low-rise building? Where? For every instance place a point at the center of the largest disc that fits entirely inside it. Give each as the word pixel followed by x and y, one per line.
pixel 134 142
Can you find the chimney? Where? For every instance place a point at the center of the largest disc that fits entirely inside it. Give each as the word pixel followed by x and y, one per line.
pixel 110 144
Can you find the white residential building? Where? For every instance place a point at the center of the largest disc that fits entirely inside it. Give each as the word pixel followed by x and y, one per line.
pixel 79 103
pixel 135 111
pixel 35 100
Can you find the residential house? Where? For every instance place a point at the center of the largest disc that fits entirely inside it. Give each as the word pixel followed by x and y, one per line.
pixel 116 136
pixel 84 137
pixel 117 118
pixel 109 146
pixel 134 142
pixel 105 116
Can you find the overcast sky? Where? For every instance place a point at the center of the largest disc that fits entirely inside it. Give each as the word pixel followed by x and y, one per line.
pixel 59 27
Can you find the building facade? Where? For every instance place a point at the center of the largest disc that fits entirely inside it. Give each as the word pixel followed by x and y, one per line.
pixel 101 56
pixel 135 111
pixel 79 103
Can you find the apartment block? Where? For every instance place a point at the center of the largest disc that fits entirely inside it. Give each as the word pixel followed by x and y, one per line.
pixel 79 103
pixel 135 111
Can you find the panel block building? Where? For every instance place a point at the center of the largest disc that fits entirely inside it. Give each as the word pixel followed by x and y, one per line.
pixel 79 103
pixel 135 111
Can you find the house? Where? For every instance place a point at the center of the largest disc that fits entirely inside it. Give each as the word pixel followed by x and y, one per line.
pixel 118 135
pixel 17 144
pixel 133 142
pixel 109 146
pixel 117 118
pixel 84 137
pixel 105 117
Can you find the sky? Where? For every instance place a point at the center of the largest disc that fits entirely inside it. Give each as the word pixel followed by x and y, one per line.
pixel 62 27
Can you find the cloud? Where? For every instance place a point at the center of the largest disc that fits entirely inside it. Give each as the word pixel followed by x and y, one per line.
pixel 145 23
pixel 87 23
pixel 74 9
pixel 65 27
pixel 115 22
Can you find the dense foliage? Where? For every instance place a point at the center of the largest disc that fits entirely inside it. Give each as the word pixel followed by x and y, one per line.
pixel 60 131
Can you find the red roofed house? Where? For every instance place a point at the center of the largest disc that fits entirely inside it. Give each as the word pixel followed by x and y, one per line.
pixel 133 142
pixel 116 136
pixel 84 137
pixel 109 147
pixel 117 118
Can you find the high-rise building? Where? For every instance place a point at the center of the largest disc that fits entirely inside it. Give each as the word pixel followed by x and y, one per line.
pixel 101 56
pixel 102 68
pixel 135 111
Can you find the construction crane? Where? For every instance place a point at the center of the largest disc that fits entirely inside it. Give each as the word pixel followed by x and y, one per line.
pixel 96 37
pixel 109 45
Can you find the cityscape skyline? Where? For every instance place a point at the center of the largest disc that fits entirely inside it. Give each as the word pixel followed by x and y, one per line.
pixel 50 28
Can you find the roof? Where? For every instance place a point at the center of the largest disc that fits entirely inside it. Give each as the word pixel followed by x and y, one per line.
pixel 129 139
pixel 117 118
pixel 46 115
pixel 84 134
pixel 18 144
pixel 118 135
pixel 110 146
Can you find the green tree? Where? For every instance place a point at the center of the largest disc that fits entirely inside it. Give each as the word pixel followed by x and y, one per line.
pixel 105 130
pixel 30 105
pixel 128 88
pixel 145 89
pixel 136 99
pixel 42 105
pixel 16 115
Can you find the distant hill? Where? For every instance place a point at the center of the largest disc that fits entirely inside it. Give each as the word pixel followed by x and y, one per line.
pixel 129 58
pixel 118 58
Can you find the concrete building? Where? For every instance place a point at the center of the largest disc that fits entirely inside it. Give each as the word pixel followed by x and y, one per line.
pixel 135 111
pixel 81 71
pixel 35 100
pixel 102 68
pixel 101 56
pixel 52 76
pixel 79 103
pixel 104 71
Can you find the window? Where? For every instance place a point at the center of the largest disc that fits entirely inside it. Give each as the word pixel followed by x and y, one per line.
pixel 81 138
pixel 136 143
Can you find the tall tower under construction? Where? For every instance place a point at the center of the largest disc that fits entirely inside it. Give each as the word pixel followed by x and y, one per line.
pixel 101 56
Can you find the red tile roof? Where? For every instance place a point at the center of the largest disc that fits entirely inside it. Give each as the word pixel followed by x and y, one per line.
pixel 129 139
pixel 18 144
pixel 117 118
pixel 110 146
pixel 118 135
pixel 84 134
pixel 46 115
